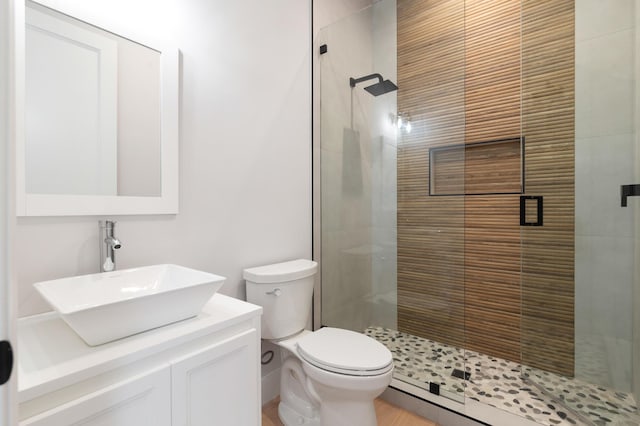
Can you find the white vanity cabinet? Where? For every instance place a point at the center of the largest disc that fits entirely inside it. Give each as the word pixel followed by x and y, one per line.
pixel 230 366
pixel 142 399
pixel 202 371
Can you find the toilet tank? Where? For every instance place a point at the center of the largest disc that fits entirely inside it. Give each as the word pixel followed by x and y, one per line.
pixel 285 291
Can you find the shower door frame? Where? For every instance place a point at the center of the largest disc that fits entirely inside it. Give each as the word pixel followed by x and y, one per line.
pixel 316 186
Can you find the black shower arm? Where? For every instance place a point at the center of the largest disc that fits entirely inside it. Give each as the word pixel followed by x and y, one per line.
pixel 354 81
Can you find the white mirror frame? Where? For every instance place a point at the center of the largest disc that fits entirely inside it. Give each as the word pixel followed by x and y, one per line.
pixel 81 205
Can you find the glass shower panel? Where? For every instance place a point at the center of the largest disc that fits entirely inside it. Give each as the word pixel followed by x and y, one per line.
pixel 431 196
pixel 581 152
pixel 392 251
pixel 358 173
pixel 473 219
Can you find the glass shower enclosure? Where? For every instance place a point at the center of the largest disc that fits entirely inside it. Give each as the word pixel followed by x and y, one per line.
pixel 472 213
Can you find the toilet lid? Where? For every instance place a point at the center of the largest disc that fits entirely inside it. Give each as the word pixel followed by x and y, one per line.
pixel 345 352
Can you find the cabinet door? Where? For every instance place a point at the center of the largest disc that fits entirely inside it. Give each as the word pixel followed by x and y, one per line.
pixel 218 385
pixel 144 399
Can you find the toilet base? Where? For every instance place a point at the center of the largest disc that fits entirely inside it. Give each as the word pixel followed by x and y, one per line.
pixel 311 396
pixel 337 414
pixel 290 417
pixel 296 406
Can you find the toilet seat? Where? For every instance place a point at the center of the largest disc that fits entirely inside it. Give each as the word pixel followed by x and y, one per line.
pixel 345 352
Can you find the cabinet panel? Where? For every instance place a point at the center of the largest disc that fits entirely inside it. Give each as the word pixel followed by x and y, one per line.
pixel 144 399
pixel 218 385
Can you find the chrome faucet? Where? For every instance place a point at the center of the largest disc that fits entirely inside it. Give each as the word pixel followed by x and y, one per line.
pixel 108 244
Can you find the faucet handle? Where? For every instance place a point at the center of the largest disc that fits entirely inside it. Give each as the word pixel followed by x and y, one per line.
pixel 106 223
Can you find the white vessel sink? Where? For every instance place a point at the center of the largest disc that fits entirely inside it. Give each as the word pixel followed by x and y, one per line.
pixel 112 305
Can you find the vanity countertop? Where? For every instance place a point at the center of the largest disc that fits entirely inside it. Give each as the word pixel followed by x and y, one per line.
pixel 52 356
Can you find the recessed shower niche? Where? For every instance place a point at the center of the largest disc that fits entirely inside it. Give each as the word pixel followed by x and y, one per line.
pixel 480 168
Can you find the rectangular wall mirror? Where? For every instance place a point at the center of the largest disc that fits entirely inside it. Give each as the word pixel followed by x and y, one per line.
pixel 97 115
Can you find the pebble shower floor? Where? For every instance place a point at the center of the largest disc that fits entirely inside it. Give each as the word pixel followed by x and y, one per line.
pixel 501 384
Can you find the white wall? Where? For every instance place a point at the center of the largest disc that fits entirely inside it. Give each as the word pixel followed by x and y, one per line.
pixel 245 150
pixel 327 12
pixel 605 149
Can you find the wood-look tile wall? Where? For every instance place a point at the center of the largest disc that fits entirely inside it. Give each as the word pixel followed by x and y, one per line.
pixel 431 81
pixel 548 74
pixel 492 230
pixel 472 71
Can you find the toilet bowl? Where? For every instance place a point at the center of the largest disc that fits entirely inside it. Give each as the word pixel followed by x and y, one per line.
pixel 329 377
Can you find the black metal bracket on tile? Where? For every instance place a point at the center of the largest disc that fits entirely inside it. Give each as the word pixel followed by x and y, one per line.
pixel 460 374
pixel 523 210
pixel 434 388
pixel 628 191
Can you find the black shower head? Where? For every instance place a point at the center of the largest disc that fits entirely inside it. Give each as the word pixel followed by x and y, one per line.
pixel 380 88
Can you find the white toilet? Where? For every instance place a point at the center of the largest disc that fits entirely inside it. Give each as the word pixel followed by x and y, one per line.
pixel 329 377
